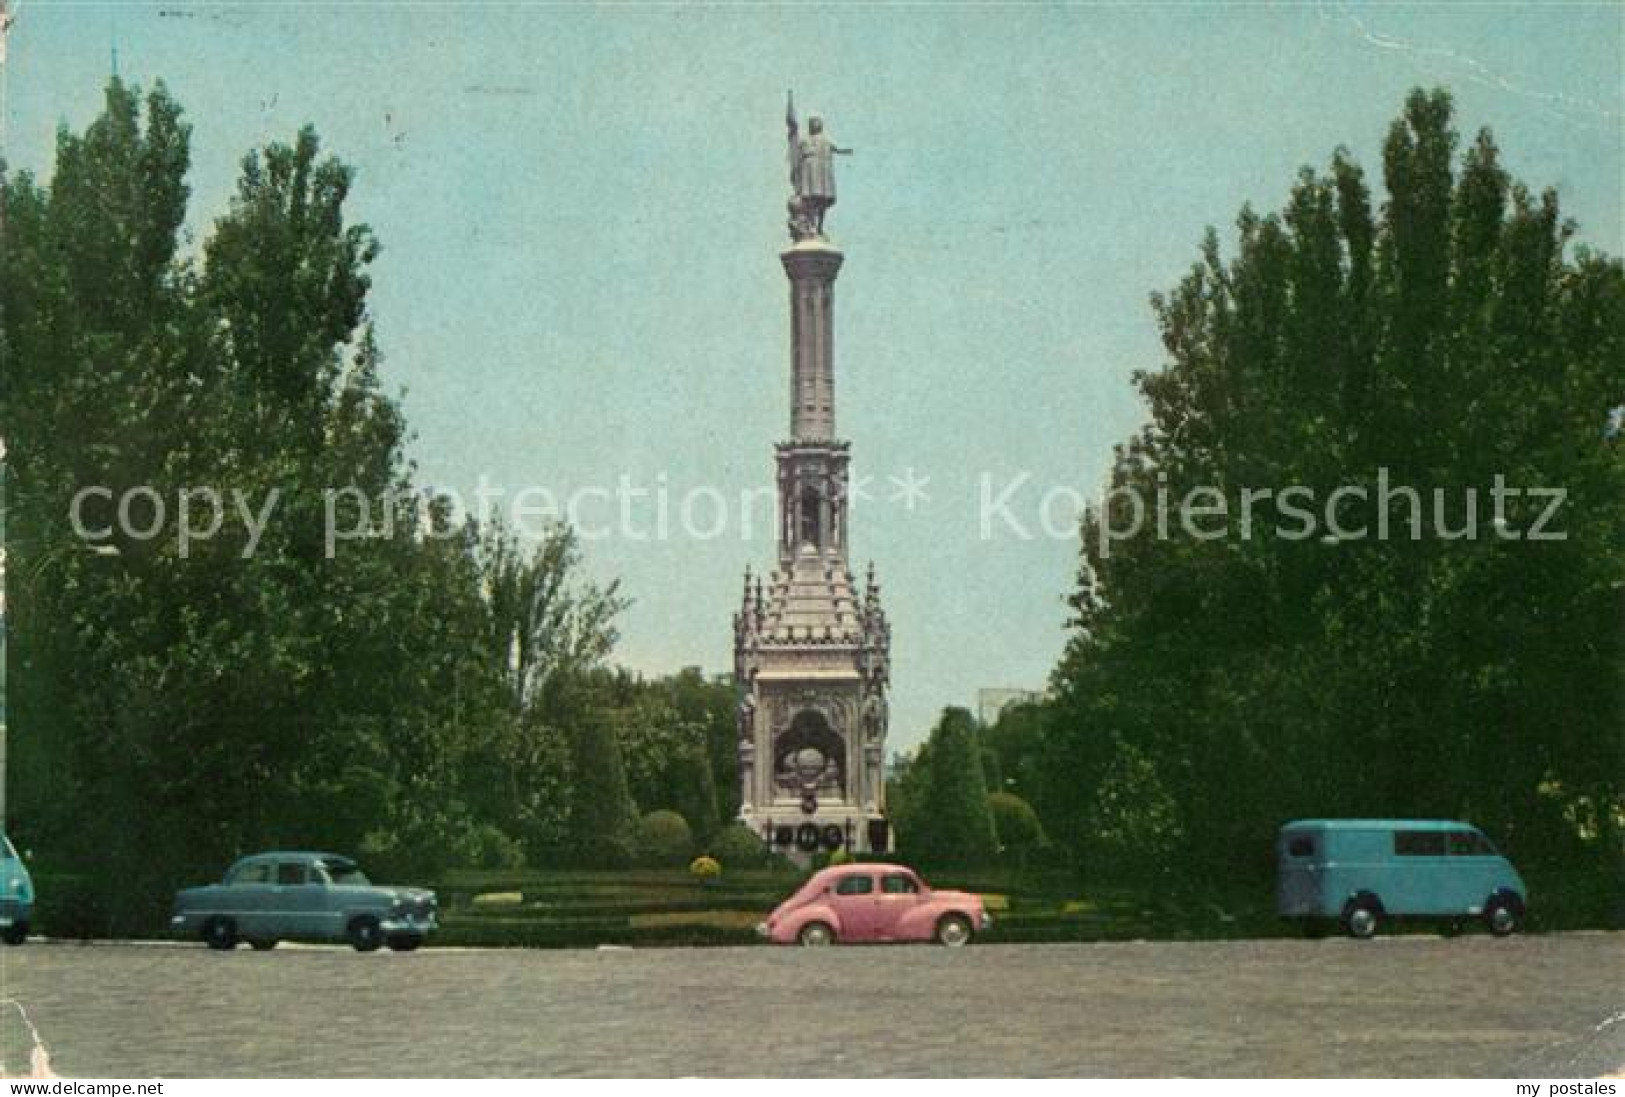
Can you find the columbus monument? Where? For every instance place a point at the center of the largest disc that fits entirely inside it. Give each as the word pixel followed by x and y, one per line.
pixel 812 650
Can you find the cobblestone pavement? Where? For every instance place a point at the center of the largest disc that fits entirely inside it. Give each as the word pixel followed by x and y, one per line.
pixel 1528 1006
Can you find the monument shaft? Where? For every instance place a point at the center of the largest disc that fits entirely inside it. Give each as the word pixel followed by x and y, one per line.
pixel 812 272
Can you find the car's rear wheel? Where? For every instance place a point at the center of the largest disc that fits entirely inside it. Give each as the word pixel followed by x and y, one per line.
pixel 1503 918
pixel 405 942
pixel 220 933
pixel 366 935
pixel 954 931
pixel 816 935
pixel 1361 919
pixel 262 944
pixel 16 933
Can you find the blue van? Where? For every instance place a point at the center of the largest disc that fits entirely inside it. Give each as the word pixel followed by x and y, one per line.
pixel 16 895
pixel 1364 871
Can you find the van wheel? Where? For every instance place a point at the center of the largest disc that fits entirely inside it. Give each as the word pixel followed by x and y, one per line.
pixel 366 935
pixel 16 933
pixel 220 934
pixel 1361 919
pixel 1502 917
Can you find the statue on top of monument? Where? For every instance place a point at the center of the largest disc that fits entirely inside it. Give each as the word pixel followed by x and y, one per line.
pixel 812 174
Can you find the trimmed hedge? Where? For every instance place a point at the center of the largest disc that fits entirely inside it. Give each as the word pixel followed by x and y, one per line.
pixel 663 838
pixel 736 846
pixel 662 908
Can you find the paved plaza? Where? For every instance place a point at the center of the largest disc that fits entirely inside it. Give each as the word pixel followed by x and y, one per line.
pixel 1529 1006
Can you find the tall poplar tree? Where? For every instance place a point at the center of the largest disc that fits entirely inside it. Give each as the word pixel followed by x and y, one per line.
pixel 1444 340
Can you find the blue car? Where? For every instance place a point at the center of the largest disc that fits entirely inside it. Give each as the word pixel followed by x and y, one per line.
pixel 16 895
pixel 1365 871
pixel 271 897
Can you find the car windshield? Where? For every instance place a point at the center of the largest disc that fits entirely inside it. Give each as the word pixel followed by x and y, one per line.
pixel 346 874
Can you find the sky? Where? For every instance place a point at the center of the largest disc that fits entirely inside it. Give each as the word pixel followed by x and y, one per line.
pixel 581 211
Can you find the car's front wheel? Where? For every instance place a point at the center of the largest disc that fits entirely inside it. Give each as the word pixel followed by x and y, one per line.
pixel 220 933
pixel 816 935
pixel 954 931
pixel 405 942
pixel 1502 916
pixel 16 933
pixel 366 935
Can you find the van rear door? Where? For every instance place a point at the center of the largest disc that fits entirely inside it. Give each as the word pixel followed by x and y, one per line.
pixel 1299 858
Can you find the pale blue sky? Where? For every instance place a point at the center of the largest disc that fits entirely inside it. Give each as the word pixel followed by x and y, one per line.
pixel 581 211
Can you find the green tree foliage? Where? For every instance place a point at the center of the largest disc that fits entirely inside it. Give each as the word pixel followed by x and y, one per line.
pixel 601 810
pixel 400 693
pixel 1133 824
pixel 545 634
pixel 710 706
pixel 941 805
pixel 1016 826
pixel 544 624
pixel 1016 741
pixel 1214 688
pixel 83 265
pixel 188 690
pixel 666 761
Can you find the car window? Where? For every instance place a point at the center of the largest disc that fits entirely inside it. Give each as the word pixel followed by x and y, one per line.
pixel 1419 843
pixel 1300 845
pixel 899 883
pixel 290 874
pixel 257 872
pixel 1469 843
pixel 855 885
pixel 8 852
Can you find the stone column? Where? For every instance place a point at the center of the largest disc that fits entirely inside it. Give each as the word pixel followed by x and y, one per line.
pixel 812 266
pixel 857 777
pixel 765 761
pixel 874 756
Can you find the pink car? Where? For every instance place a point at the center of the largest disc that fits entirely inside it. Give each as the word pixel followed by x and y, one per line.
pixel 855 903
